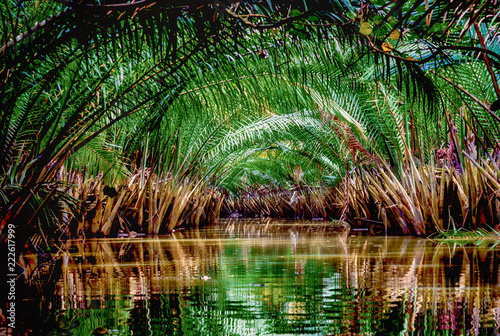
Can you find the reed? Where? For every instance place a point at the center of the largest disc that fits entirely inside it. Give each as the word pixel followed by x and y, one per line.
pixel 143 203
pixel 426 199
pixel 304 202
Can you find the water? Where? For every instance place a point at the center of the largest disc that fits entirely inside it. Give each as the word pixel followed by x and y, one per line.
pixel 268 278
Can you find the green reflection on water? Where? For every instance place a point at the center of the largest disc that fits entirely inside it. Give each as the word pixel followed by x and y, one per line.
pixel 268 278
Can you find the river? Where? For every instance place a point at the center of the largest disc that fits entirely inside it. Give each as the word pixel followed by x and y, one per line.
pixel 245 277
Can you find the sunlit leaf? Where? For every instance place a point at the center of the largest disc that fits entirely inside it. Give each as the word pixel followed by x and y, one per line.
pixel 387 47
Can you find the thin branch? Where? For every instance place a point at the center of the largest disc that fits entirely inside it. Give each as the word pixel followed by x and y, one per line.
pixel 435 53
pixel 487 60
pixel 31 31
pixel 279 23
pixel 474 98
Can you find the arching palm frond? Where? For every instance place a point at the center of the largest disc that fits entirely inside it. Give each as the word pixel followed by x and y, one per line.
pixel 185 87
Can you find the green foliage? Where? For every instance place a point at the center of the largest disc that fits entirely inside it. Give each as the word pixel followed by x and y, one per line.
pixel 236 96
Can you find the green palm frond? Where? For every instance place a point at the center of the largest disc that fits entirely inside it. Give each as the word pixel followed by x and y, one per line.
pixel 202 91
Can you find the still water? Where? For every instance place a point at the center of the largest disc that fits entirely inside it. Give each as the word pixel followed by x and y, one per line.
pixel 270 278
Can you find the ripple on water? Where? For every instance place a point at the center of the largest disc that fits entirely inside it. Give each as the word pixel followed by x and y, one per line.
pixel 262 280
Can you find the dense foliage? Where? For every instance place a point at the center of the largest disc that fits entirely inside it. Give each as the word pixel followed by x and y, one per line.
pixel 145 115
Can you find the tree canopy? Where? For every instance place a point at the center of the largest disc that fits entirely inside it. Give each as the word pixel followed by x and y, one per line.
pixel 213 90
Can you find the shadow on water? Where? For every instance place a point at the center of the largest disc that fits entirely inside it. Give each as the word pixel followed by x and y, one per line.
pixel 266 278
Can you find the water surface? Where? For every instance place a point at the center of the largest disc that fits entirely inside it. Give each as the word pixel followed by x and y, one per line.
pixel 269 278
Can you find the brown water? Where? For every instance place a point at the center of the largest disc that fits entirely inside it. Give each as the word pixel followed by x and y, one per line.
pixel 268 278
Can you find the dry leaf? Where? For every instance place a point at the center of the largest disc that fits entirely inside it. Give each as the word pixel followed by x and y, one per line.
pixel 387 47
pixel 365 28
pixel 395 34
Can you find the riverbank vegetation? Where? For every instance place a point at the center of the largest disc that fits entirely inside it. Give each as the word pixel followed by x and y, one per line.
pixel 360 285
pixel 138 118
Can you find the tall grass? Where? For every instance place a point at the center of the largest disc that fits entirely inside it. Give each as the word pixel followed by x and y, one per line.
pixel 428 199
pixel 144 203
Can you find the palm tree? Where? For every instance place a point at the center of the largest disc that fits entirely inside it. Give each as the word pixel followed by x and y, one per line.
pixel 74 73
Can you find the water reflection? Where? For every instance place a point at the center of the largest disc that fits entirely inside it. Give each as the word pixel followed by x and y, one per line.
pixel 268 278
